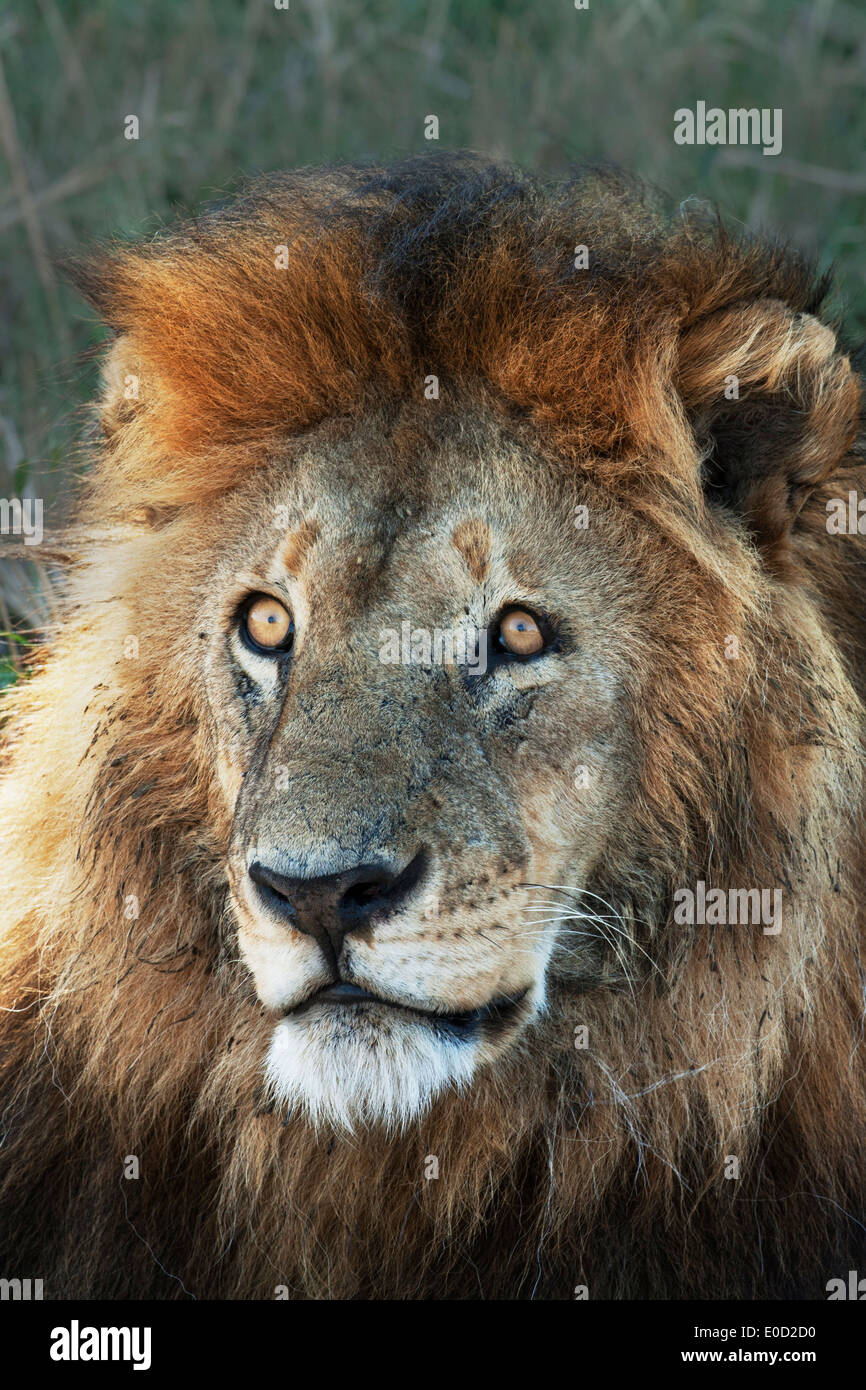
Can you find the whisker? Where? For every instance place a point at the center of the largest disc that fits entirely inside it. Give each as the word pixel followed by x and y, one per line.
pixel 594 917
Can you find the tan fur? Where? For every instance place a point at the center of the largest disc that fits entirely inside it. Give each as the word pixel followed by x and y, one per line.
pixel 135 780
pixel 472 538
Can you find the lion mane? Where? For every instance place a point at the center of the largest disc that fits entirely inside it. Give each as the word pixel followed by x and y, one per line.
pixel 129 1030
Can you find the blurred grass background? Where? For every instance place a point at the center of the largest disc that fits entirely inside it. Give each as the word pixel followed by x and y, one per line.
pixel 224 88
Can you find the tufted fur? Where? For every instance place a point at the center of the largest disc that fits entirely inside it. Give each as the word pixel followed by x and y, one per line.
pixel 142 1035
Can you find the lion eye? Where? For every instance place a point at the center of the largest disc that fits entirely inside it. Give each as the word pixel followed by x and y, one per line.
pixel 267 626
pixel 520 634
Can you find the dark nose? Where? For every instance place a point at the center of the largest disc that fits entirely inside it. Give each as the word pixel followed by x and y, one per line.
pixel 329 907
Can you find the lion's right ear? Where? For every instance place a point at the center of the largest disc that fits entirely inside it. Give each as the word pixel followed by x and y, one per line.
pixel 121 385
pixel 121 375
pixel 774 407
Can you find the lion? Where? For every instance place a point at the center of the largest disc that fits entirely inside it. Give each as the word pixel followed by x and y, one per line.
pixel 433 831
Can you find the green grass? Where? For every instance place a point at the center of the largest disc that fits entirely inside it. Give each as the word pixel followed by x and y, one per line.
pixel 224 89
pixel 14 646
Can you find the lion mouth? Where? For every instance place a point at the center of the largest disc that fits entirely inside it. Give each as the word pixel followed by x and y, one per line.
pixel 497 1015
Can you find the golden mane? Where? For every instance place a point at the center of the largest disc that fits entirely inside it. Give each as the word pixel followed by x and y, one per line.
pixel 129 1024
pixel 347 284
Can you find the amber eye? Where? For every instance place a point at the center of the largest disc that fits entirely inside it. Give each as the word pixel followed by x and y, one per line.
pixel 266 625
pixel 521 634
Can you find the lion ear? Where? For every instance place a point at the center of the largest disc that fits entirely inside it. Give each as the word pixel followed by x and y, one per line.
pixel 122 379
pixel 773 406
pixel 121 390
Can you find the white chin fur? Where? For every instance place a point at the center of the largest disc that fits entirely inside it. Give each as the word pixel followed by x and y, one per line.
pixel 347 1072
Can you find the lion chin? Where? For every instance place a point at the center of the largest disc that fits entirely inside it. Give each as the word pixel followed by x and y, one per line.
pixel 379 1067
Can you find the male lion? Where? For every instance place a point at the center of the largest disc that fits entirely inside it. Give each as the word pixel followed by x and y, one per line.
pixel 337 967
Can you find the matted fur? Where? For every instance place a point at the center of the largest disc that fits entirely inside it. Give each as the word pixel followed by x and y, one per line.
pixel 559 1166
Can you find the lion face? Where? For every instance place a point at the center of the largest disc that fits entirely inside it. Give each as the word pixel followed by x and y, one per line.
pixel 412 693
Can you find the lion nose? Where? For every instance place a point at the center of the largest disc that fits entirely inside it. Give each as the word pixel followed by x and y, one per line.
pixel 330 906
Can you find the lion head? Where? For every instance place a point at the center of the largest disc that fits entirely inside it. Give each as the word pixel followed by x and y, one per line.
pixel 455 729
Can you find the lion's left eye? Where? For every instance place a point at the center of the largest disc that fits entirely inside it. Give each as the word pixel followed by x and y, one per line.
pixel 520 633
pixel 266 625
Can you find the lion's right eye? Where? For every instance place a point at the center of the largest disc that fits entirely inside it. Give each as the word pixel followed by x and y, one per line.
pixel 266 625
